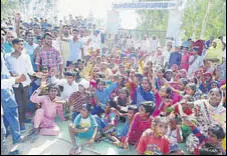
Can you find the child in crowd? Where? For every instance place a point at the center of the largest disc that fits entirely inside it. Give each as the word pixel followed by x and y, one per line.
pixel 107 124
pixel 78 98
pixel 215 135
pixel 84 126
pixel 122 101
pixel 102 95
pixel 160 97
pixel 69 86
pixel 156 143
pixel 175 135
pixel 143 93
pixel 159 79
pixel 209 149
pixel 120 138
pixel 141 121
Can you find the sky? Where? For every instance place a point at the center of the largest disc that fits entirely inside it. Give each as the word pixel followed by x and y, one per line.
pixel 99 7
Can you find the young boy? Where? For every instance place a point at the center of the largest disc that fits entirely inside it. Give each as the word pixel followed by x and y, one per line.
pixel 215 135
pixel 84 126
pixel 119 140
pixel 209 149
pixel 69 86
pixel 155 144
pixel 78 98
pixel 107 124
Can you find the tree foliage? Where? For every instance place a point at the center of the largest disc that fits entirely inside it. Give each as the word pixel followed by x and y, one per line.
pixel 194 17
pixel 8 7
pixel 152 19
pixel 192 21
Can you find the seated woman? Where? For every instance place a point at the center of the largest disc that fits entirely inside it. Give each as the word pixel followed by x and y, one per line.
pixel 84 126
pixel 211 110
pixel 44 118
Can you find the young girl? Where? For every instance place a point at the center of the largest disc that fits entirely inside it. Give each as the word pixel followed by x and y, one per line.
pixel 44 118
pixel 160 96
pixel 133 82
pixel 141 122
pixel 192 91
pixel 159 79
pixel 143 93
pixel 84 126
pixel 121 102
pixel 156 143
pixel 175 135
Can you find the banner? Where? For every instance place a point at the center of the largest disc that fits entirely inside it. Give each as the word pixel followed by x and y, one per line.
pixel 164 5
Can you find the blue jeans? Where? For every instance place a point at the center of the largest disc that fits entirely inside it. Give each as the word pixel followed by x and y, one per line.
pixel 31 105
pixel 11 120
pixel 4 146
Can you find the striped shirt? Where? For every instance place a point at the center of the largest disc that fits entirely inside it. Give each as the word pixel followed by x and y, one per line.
pixel 77 99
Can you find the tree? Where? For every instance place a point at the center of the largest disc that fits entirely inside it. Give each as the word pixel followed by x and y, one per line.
pixel 195 19
pixel 8 7
pixel 152 19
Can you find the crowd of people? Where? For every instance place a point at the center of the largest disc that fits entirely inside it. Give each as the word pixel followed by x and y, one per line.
pixel 165 95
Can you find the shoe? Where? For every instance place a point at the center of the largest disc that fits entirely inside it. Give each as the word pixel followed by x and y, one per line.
pixel 79 150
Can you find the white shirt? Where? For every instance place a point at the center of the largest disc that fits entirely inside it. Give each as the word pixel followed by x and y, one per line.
pixel 154 44
pixel 86 47
pixel 19 66
pixel 166 56
pixel 67 89
pixel 96 42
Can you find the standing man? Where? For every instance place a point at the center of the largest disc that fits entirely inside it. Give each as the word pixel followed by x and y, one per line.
pixel 49 56
pixel 19 63
pixel 30 47
pixel 76 50
pixel 175 58
pixel 9 105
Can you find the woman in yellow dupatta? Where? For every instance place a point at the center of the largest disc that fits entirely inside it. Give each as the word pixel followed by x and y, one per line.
pixel 215 53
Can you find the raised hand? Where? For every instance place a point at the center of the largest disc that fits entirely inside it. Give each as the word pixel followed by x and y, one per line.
pixel 20 78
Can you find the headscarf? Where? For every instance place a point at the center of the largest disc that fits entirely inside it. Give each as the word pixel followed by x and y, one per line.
pixel 213 53
pixel 216 82
pixel 200 44
pixel 218 109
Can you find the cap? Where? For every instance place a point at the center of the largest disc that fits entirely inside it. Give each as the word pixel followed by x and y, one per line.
pixel 84 83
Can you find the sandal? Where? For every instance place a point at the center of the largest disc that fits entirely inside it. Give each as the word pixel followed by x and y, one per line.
pixel 73 150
